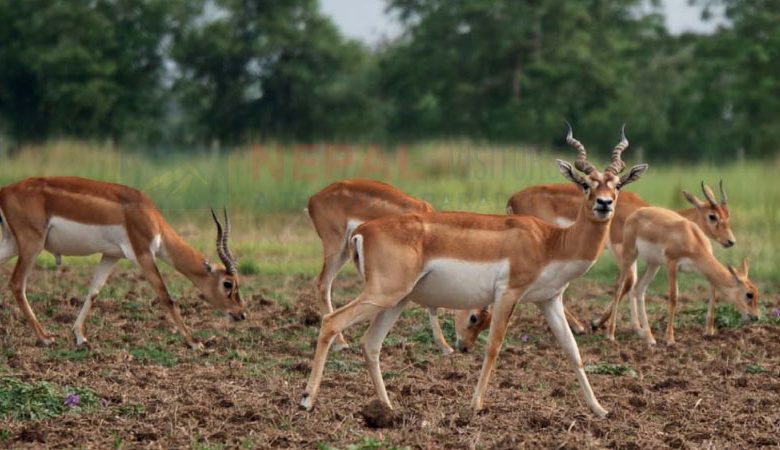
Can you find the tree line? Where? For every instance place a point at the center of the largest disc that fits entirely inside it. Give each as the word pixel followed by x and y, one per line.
pixel 192 72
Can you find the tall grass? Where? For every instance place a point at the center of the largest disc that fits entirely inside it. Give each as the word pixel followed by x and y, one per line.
pixel 266 188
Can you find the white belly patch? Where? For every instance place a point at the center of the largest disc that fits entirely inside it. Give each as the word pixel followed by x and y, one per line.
pixel 650 251
pixel 563 222
pixel 554 278
pixel 70 238
pixel 456 284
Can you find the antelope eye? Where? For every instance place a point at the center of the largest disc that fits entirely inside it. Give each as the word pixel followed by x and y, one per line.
pixel 227 285
pixel 473 319
pixel 713 217
pixel 749 295
pixel 585 186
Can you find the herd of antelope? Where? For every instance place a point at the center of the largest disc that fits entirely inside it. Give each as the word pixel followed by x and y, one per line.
pixel 478 265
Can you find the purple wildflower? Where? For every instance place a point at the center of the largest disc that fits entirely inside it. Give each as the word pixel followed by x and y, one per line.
pixel 524 338
pixel 776 312
pixel 73 400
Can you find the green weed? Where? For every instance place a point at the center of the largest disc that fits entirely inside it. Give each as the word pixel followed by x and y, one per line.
pixel 42 400
pixel 154 353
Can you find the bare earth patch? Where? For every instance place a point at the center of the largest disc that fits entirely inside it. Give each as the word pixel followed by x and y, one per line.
pixel 243 390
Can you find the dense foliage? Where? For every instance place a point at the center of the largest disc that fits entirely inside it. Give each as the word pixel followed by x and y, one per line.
pixel 200 71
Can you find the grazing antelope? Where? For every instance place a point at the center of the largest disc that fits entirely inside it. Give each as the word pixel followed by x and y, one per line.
pixel 558 203
pixel 337 210
pixel 663 237
pixel 462 260
pixel 78 217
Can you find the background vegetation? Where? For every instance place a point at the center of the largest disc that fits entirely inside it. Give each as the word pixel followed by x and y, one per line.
pixel 189 74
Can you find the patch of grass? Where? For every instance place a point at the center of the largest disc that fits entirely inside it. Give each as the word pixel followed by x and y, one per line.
pixel 136 311
pixel 207 446
pixel 754 369
pixel 25 401
pixel 337 363
pixel 610 369
pixel 727 316
pixel 248 267
pixel 5 434
pixel 368 443
pixel 80 354
pixel 131 410
pixel 155 354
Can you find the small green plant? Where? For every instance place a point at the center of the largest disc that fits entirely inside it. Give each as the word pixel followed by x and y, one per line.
pixel 118 442
pixel 154 353
pixel 727 316
pixel 25 401
pixel 69 355
pixel 754 369
pixel 610 369
pixel 5 434
pixel 248 267
pixel 131 410
pixel 368 443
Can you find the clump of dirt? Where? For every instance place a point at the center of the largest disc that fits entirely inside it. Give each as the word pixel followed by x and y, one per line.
pixel 377 415
pixel 670 383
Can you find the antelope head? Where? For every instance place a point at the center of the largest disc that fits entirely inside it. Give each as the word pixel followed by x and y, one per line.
pixel 713 215
pixel 221 288
pixel 599 188
pixel 744 295
pixel 468 325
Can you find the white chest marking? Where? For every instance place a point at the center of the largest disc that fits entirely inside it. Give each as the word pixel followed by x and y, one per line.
pixel 563 222
pixel 554 278
pixel 456 284
pixel 70 238
pixel 650 251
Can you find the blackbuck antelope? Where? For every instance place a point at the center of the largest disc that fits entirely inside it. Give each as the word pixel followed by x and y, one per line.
pixel 462 260
pixel 79 217
pixel 559 203
pixel 663 237
pixel 337 210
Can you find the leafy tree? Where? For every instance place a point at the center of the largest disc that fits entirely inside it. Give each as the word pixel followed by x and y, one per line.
pixel 514 70
pixel 269 68
pixel 80 68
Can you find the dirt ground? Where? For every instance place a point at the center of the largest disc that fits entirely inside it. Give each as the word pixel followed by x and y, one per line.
pixel 243 391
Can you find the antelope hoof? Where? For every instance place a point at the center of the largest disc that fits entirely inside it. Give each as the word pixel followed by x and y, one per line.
pixel 447 350
pixel 579 331
pixel 595 324
pixel 81 341
pixel 46 340
pixel 600 412
pixel 197 346
pixel 670 343
pixel 306 403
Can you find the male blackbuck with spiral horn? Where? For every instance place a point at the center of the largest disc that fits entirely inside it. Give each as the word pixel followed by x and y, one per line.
pixel 337 210
pixel 77 217
pixel 463 260
pixel 663 237
pixel 559 203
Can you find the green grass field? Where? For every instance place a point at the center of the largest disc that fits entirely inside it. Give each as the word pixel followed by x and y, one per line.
pixel 266 188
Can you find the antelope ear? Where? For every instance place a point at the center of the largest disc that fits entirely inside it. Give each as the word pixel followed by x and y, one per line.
pixel 634 174
pixel 692 199
pixel 745 266
pixel 207 265
pixel 569 173
pixel 734 274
